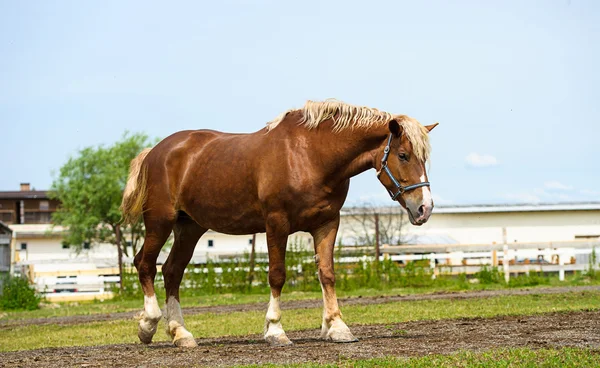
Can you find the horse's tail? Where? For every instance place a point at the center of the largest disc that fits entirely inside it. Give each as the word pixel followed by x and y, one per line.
pixel 136 189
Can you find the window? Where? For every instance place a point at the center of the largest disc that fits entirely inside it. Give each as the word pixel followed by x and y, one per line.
pixel 86 245
pixel 65 245
pixel 6 216
pixel 23 246
pixel 211 243
pixel 38 217
pixel 250 241
pixel 44 205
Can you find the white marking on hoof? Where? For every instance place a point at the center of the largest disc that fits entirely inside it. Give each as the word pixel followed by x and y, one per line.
pixel 274 333
pixel 338 332
pixel 186 342
pixel 181 337
pixel 149 319
pixel 175 326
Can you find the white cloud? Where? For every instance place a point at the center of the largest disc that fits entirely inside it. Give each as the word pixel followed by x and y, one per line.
pixel 556 185
pixel 476 160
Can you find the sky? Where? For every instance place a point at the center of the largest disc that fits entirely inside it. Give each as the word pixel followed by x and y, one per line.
pixel 515 85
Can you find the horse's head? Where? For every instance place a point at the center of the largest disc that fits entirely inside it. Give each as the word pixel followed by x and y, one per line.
pixel 402 169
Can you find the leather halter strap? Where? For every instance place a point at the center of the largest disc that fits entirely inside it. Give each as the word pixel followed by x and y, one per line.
pixel 386 169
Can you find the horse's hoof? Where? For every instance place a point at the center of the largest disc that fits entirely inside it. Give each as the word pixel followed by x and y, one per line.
pixel 145 336
pixel 186 342
pixel 278 340
pixel 341 336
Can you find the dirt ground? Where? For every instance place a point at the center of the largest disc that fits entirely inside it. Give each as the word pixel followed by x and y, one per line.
pixel 576 329
pixel 299 304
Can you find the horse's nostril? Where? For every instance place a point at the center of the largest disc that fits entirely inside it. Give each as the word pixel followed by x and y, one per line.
pixel 421 210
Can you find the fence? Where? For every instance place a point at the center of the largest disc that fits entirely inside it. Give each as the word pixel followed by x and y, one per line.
pixel 517 258
pixel 75 282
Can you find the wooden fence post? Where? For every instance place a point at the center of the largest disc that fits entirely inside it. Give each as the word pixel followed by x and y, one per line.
pixel 561 267
pixel 432 265
pixel 505 263
pixel 377 249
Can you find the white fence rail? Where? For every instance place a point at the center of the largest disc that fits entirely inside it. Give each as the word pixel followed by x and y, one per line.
pixel 58 282
pixel 523 258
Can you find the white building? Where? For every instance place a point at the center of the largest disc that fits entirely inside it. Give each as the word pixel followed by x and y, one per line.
pixel 464 225
pixel 487 224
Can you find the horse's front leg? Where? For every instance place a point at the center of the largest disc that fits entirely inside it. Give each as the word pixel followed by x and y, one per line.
pixel 277 235
pixel 332 328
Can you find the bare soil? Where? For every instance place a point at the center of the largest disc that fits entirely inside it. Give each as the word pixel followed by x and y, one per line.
pixel 574 329
pixel 299 304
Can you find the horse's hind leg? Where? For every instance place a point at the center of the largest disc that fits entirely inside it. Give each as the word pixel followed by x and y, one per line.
pixel 187 232
pixel 332 328
pixel 158 229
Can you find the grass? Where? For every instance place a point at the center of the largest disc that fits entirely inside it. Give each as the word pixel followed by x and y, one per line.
pixel 135 304
pixel 500 358
pixel 245 323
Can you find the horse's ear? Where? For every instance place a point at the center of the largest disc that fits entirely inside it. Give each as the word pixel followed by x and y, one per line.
pixel 430 127
pixel 395 128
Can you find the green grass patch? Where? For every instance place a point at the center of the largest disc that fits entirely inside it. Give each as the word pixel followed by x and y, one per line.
pixel 244 323
pixel 500 358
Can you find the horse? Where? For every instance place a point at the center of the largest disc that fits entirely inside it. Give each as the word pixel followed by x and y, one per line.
pixel 292 175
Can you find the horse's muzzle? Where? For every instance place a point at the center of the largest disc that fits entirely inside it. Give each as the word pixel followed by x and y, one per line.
pixel 418 214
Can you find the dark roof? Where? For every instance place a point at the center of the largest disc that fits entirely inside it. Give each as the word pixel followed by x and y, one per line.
pixel 22 194
pixel 4 229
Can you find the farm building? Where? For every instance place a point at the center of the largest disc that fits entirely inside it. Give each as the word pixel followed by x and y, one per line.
pixel 485 224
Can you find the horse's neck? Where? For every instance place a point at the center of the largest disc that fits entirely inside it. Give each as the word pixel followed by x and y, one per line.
pixel 349 153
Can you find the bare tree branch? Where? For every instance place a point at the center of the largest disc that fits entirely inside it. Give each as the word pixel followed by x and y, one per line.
pixel 360 225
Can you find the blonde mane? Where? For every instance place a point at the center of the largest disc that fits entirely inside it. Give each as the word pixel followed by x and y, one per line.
pixel 347 116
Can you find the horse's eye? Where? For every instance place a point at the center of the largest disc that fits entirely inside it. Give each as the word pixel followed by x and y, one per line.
pixel 403 156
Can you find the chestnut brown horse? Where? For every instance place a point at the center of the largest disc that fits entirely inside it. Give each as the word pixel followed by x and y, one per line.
pixel 293 175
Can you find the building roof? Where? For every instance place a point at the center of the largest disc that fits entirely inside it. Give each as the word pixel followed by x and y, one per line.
pixel 4 229
pixel 25 194
pixel 525 207
pixel 483 208
pixel 37 231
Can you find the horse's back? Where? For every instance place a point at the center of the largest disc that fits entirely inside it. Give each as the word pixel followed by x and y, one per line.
pixel 168 162
pixel 209 175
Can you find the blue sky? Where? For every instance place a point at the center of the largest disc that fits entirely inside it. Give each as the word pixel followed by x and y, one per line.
pixel 515 85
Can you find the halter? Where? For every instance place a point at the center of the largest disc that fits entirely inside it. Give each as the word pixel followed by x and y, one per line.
pixel 384 167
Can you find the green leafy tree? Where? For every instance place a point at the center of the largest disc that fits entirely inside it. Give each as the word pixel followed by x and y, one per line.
pixel 90 188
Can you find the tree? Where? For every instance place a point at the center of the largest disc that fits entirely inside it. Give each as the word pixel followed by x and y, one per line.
pixel 90 188
pixel 370 225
